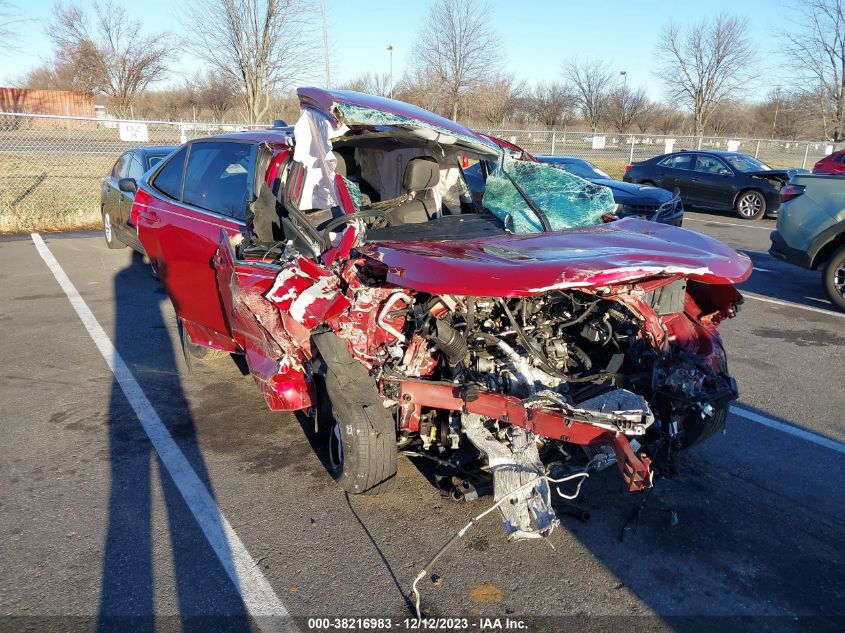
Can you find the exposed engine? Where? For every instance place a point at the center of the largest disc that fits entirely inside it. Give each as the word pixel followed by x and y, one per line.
pixel 606 363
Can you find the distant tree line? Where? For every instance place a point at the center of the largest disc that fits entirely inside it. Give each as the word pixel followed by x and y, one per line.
pixel 255 50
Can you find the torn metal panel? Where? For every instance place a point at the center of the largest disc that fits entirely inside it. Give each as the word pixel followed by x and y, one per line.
pixel 528 513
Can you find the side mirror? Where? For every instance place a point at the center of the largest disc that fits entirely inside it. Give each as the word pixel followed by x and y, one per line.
pixel 127 185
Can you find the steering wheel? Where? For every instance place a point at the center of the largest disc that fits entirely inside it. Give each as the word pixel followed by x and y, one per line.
pixel 382 218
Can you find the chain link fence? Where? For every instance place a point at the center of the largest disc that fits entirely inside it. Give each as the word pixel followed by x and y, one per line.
pixel 51 166
pixel 612 152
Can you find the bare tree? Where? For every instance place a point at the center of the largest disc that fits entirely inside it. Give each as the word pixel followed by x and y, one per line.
pixel 626 106
pixel 107 54
pixel 262 44
pixel 457 43
pixel 553 104
pixel 668 120
pixel 706 63
pixel 423 88
pixel 216 92
pixel 10 18
pixel 816 38
pixel 495 100
pixel 371 83
pixel 592 81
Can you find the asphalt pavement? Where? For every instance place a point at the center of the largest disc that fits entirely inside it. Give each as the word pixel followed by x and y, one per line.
pixel 107 526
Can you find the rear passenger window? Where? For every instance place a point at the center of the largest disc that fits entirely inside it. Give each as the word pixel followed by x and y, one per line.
pixel 169 180
pixel 135 169
pixel 121 167
pixel 217 176
pixel 678 161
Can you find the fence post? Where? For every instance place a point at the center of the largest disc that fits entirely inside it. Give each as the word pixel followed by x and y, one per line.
pixel 631 156
pixel 806 151
pixel 699 142
pixel 757 150
pixel 553 142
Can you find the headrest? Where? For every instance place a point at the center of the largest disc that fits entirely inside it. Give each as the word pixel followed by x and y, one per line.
pixel 421 173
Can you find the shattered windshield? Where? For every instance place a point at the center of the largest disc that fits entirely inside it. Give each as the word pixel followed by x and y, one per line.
pixel 520 192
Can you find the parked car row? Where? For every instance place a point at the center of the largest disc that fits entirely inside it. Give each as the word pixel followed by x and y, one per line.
pixel 344 258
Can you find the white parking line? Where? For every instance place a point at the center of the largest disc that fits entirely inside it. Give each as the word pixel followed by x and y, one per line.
pixel 258 596
pixel 819 440
pixel 745 226
pixel 790 304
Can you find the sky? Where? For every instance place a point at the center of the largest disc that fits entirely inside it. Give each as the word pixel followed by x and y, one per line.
pixel 536 36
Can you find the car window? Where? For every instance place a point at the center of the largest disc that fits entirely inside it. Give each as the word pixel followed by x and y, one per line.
pixel 581 169
pixel 136 170
pixel 678 161
pixel 216 177
pixel 121 167
pixel 746 164
pixel 840 158
pixel 153 160
pixel 709 164
pixel 169 180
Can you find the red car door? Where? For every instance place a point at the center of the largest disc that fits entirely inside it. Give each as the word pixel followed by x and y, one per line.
pixel 199 192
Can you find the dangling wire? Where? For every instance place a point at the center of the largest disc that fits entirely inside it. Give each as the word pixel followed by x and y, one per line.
pixel 459 534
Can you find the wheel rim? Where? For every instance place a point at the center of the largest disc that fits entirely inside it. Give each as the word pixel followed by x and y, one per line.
pixel 839 280
pixel 336 448
pixel 750 205
pixel 107 226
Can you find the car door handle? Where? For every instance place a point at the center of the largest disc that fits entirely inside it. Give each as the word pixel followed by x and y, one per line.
pixel 150 217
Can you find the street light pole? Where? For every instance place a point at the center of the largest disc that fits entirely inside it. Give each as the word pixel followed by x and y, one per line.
pixel 389 49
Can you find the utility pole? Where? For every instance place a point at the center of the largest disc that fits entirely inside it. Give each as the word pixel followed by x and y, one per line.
pixel 389 49
pixel 326 43
pixel 777 107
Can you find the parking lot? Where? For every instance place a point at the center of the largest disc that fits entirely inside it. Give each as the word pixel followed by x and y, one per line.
pixel 103 516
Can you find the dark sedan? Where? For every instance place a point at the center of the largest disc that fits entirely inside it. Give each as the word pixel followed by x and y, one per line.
pixel 717 180
pixel 118 193
pixel 643 201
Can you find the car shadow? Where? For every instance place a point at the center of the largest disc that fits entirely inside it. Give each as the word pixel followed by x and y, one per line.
pixel 148 517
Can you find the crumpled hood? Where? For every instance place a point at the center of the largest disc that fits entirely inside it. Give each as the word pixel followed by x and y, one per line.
pixel 512 266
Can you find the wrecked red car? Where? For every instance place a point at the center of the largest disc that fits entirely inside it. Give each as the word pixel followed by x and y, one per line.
pixel 346 260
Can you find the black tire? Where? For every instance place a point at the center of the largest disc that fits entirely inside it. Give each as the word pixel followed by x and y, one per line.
pixel 750 205
pixel 362 452
pixel 697 430
pixel 108 232
pixel 833 278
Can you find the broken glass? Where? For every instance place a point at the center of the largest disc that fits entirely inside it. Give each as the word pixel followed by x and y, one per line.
pixel 566 200
pixel 353 114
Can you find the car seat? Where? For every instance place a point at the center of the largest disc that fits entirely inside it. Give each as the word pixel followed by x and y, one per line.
pixel 422 174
